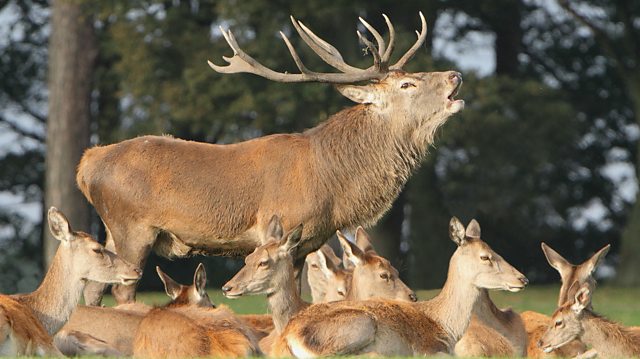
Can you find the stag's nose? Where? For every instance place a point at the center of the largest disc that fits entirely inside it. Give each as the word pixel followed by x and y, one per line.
pixel 227 288
pixel 455 77
pixel 413 297
pixel 524 280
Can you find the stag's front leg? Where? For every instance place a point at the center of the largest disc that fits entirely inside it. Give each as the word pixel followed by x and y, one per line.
pixel 94 291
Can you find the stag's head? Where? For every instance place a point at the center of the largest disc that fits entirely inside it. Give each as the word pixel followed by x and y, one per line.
pixel 565 324
pixel 269 266
pixel 83 258
pixel 414 97
pixel 477 263
pixel 373 275
pixel 573 276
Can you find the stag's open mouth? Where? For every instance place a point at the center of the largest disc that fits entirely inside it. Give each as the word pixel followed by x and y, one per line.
pixel 454 105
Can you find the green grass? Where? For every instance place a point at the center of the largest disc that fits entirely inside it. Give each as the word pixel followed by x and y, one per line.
pixel 619 304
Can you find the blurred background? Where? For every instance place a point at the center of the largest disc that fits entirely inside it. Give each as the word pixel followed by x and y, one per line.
pixel 546 149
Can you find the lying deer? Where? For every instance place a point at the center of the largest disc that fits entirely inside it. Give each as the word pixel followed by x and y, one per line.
pixel 572 278
pixel 139 187
pixel 108 331
pixel 27 321
pixel 269 270
pixel 328 280
pixel 382 327
pixel 575 320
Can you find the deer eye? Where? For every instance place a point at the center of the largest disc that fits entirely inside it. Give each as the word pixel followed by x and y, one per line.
pixel 484 257
pixel 263 263
pixel 558 323
pixel 341 293
pixel 97 251
pixel 407 85
pixel 384 276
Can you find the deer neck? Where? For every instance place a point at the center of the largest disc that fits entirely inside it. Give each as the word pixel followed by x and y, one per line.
pixel 503 321
pixel 370 156
pixel 608 338
pixel 453 306
pixel 57 296
pixel 285 301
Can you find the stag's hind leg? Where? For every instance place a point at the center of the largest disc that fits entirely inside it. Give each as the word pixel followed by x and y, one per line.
pixel 133 242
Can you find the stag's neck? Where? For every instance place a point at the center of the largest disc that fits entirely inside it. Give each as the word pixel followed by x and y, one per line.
pixel 365 158
pixel 453 306
pixel 285 302
pixel 608 338
pixel 57 296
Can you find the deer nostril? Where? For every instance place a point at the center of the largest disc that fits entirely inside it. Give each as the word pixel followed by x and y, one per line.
pixel 540 343
pixel 138 271
pixel 524 280
pixel 413 297
pixel 226 288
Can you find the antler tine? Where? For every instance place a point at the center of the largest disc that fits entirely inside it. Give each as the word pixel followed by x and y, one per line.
pixel 381 45
pixel 326 51
pixel 294 54
pixel 372 49
pixel 409 54
pixel 392 39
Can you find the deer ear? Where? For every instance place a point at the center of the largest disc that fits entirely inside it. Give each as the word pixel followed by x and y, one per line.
pixel 363 241
pixel 200 279
pixel 365 94
pixel 352 252
pixel 457 231
pixel 322 263
pixel 582 299
pixel 555 259
pixel 171 287
pixel 274 229
pixel 473 229
pixel 592 263
pixel 292 239
pixel 59 225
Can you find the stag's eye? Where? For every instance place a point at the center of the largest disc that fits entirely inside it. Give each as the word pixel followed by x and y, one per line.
pixel 407 85
pixel 263 263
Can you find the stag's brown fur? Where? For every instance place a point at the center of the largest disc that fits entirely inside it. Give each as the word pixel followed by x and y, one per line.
pixel 180 197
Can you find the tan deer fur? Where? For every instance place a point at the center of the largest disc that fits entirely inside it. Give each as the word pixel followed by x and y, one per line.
pixel 27 321
pixel 104 331
pixel 194 332
pixel 223 206
pixel 328 281
pixel 572 278
pixel 386 327
pixel 574 320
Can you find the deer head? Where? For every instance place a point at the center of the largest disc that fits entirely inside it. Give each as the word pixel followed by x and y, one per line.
pixel 410 98
pixel 195 294
pixel 373 275
pixel 573 276
pixel 266 267
pixel 476 261
pixel 328 282
pixel 565 324
pixel 86 259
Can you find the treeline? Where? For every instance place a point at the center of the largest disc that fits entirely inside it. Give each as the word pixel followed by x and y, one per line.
pixel 545 150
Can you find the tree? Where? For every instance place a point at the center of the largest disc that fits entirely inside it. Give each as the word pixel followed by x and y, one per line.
pixel 72 51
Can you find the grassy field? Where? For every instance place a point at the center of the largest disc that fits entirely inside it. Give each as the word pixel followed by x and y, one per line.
pixel 620 304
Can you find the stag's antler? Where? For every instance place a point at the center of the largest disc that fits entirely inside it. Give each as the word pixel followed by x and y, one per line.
pixel 242 62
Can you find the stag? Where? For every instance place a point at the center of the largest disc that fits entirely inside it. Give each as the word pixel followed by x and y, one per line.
pixel 180 198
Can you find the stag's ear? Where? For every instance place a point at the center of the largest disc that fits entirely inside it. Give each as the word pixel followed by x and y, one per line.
pixel 200 279
pixel 59 225
pixel 473 229
pixel 274 230
pixel 555 259
pixel 365 94
pixel 352 252
pixel 457 231
pixel 292 239
pixel 582 299
pixel 171 287
pixel 591 263
pixel 363 241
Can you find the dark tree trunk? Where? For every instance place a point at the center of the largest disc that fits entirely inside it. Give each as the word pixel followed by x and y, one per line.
pixel 72 51
pixel 508 40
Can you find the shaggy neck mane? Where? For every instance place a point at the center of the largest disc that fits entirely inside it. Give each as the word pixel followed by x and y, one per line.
pixel 364 158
